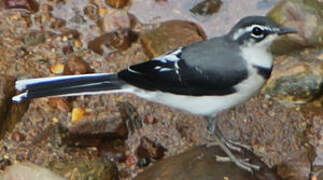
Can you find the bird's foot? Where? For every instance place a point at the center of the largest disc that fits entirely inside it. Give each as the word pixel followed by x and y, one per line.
pixel 233 145
pixel 227 146
pixel 241 163
pixel 237 145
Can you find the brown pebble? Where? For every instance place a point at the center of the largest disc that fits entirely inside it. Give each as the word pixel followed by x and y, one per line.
pixel 150 119
pixel 60 103
pixel 76 65
pixel 121 39
pixel 207 7
pixel 17 136
pixel 117 3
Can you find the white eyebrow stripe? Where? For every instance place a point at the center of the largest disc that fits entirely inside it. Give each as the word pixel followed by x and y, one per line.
pixel 249 29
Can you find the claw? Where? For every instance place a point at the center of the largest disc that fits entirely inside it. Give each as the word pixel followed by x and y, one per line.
pixel 226 145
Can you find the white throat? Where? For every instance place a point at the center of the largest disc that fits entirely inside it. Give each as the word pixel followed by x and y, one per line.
pixel 257 56
pixel 257 53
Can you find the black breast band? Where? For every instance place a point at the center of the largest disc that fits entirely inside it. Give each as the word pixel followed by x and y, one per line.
pixel 264 72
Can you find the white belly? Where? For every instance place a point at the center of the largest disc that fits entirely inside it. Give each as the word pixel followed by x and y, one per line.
pixel 206 105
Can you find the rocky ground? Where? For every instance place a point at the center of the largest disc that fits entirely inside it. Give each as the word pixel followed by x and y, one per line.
pixel 125 137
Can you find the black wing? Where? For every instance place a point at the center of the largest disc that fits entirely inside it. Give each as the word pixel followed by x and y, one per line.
pixel 170 73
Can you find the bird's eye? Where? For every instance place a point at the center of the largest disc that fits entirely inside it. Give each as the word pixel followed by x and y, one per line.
pixel 257 31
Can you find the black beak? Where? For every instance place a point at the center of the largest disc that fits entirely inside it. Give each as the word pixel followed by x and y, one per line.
pixel 285 30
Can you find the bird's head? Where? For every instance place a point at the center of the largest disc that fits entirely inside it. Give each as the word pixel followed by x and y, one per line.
pixel 257 31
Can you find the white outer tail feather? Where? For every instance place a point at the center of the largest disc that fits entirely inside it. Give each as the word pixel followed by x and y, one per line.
pixel 19 97
pixel 22 84
pixel 129 89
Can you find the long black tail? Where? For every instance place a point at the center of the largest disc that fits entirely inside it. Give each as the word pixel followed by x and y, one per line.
pixel 87 84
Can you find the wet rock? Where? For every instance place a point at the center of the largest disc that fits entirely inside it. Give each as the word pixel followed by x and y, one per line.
pixel 30 5
pixel 85 169
pixel 29 171
pixel 114 21
pixel 150 150
pixel 76 65
pixel 117 3
pixel 170 35
pixel 207 7
pixel 306 17
pixel 130 115
pixel 201 163
pixel 297 79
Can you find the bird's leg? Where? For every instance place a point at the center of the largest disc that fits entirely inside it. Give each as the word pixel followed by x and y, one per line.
pixel 210 125
pixel 234 145
pixel 213 128
pixel 220 141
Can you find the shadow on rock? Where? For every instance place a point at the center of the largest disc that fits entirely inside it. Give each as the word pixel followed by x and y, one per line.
pixel 201 163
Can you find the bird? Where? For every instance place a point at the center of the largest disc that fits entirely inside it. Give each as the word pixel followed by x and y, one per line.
pixel 203 78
